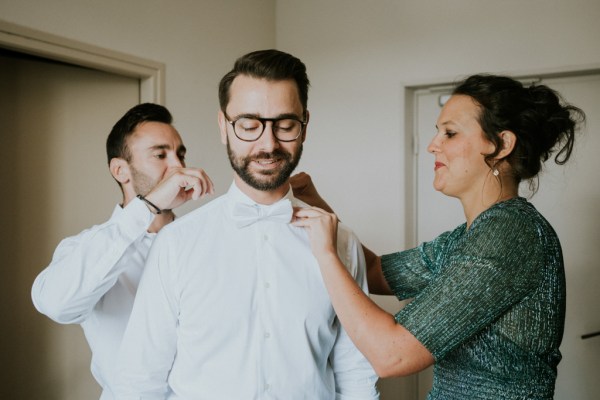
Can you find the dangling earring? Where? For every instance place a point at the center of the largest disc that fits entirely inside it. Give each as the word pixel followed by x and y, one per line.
pixel 495 171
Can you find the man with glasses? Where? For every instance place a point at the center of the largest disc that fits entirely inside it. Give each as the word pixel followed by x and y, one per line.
pixel 232 304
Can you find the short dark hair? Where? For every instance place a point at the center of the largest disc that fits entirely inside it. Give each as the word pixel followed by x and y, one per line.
pixel 116 144
pixel 273 65
pixel 541 121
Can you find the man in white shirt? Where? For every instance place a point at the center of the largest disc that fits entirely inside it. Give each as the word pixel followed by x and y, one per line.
pixel 93 276
pixel 232 304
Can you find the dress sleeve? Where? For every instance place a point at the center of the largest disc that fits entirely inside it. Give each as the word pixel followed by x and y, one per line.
pixel 355 379
pixel 150 341
pixel 409 272
pixel 477 279
pixel 86 266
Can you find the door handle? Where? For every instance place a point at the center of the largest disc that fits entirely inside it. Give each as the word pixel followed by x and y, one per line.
pixel 590 335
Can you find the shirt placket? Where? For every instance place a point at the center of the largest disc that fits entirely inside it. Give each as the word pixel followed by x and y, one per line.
pixel 266 299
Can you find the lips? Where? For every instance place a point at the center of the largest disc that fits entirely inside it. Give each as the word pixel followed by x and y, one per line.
pixel 438 165
pixel 266 162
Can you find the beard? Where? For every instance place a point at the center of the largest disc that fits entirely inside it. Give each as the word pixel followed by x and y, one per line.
pixel 142 183
pixel 265 180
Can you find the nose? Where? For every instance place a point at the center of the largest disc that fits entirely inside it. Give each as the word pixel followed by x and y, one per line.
pixel 175 162
pixel 267 141
pixel 434 145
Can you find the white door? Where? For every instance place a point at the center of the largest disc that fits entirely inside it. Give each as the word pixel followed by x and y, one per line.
pixel 54 120
pixel 569 197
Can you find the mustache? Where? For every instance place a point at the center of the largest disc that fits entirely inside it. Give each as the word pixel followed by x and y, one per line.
pixel 277 153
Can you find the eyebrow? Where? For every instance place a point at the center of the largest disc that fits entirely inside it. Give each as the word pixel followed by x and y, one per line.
pixel 257 116
pixel 449 122
pixel 180 149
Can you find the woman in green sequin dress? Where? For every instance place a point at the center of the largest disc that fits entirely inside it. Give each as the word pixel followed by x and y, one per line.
pixel 488 302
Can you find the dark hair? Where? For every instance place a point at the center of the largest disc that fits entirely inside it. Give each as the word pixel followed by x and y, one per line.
pixel 537 115
pixel 273 65
pixel 116 144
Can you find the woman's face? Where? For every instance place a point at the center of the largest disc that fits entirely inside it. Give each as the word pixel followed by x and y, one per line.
pixel 459 147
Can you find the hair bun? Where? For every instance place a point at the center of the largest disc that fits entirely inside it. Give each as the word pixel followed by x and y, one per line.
pixel 542 122
pixel 555 118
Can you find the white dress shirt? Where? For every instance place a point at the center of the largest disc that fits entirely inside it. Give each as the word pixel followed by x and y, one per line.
pixel 227 312
pixel 92 280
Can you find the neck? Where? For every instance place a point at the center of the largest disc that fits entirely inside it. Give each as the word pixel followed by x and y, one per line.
pixel 484 199
pixel 261 196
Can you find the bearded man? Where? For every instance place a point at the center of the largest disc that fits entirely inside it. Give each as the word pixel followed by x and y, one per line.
pixel 232 304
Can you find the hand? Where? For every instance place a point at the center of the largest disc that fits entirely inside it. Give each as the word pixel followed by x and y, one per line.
pixel 301 182
pixel 180 185
pixel 321 227
pixel 305 190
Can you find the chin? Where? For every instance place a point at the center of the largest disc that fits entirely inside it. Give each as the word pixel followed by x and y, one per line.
pixel 438 187
pixel 266 182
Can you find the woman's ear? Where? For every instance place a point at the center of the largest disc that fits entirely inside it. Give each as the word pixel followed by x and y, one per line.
pixel 119 169
pixel 509 141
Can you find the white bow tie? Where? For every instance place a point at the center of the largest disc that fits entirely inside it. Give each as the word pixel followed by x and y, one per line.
pixel 247 214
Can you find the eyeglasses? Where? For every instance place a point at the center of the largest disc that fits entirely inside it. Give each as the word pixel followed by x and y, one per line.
pixel 250 129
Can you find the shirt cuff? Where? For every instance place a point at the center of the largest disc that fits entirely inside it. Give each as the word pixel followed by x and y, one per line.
pixel 136 218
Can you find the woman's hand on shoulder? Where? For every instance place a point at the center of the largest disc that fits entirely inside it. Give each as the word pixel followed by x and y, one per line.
pixel 321 227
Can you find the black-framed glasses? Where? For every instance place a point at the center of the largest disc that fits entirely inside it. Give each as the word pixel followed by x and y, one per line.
pixel 250 128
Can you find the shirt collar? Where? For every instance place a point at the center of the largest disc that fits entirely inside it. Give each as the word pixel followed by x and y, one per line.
pixel 235 195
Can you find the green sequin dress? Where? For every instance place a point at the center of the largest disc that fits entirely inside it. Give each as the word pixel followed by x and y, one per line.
pixel 488 303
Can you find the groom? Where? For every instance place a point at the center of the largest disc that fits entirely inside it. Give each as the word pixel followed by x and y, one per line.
pixel 232 304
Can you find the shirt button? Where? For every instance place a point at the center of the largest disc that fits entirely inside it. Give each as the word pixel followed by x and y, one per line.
pixel 267 285
pixel 267 386
pixel 266 238
pixel 267 335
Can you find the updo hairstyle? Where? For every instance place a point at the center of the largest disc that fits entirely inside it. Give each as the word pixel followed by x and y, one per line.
pixel 541 121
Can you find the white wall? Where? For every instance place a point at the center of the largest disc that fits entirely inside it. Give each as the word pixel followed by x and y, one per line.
pixel 360 55
pixel 197 40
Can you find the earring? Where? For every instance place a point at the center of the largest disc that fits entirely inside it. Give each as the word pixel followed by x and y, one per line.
pixel 495 172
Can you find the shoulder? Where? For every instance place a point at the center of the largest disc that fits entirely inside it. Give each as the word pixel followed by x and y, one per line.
pixel 195 219
pixel 514 218
pixel 513 227
pixel 350 250
pixel 345 233
pixel 346 236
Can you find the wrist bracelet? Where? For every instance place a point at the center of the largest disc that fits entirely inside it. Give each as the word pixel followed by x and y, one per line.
pixel 145 200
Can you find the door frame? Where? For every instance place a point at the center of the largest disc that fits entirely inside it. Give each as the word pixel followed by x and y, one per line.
pixel 411 138
pixel 151 74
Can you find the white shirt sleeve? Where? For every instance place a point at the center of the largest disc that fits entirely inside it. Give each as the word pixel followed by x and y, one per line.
pixel 150 342
pixel 84 267
pixel 354 377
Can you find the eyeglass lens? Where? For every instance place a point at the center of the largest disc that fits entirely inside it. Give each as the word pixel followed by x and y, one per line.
pixel 251 128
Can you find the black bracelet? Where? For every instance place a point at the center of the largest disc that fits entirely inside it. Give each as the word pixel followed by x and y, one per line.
pixel 145 200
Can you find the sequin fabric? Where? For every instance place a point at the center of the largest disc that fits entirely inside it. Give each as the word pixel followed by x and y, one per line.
pixel 488 302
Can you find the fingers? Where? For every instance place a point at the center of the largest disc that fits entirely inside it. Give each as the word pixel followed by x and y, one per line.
pixel 312 210
pixel 309 212
pixel 300 182
pixel 195 181
pixel 321 227
pixel 309 215
pixel 180 185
